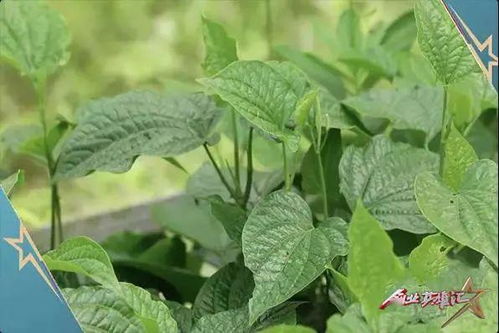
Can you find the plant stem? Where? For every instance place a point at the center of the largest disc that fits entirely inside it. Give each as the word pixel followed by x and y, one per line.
pixel 220 175
pixel 443 131
pixel 249 175
pixel 56 234
pixel 287 178
pixel 268 26
pixel 323 186
pixel 236 152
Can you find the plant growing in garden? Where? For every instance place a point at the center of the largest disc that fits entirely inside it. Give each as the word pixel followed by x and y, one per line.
pixel 379 187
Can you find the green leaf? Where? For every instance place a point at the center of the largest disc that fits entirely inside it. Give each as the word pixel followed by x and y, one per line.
pixel 182 315
pixel 382 175
pixel 10 182
pixel 83 256
pixel 458 157
pixel 351 322
pixel 372 265
pixel 348 30
pixel 441 42
pixel 231 216
pixel 430 258
pixel 34 37
pixel 154 314
pixel 113 132
pixel 288 329
pixel 334 115
pixel 418 108
pixel 340 293
pixel 205 182
pixel 319 71
pixel 284 250
pixel 229 288
pixel 401 33
pixel 468 215
pixel 330 155
pixel 265 93
pixel 98 309
pixel 183 216
pixel 220 48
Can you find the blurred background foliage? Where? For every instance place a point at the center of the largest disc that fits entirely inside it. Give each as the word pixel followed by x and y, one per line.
pixel 122 45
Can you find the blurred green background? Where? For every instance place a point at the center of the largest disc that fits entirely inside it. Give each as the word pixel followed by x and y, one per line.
pixel 154 44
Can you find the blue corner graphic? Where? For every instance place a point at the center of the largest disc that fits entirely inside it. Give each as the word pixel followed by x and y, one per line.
pixel 30 300
pixel 477 23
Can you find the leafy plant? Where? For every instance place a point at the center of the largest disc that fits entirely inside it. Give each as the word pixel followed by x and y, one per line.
pixel 378 186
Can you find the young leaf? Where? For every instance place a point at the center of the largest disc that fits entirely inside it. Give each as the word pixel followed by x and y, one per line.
pixel 430 258
pixel 231 216
pixel 458 157
pixel 220 48
pixel 229 288
pixel 266 94
pixel 284 250
pixel 10 182
pixel 418 108
pixel 113 132
pixel 372 265
pixel 382 175
pixel 83 256
pixel 401 33
pixel 350 322
pixel 468 214
pixel 441 42
pixel 34 37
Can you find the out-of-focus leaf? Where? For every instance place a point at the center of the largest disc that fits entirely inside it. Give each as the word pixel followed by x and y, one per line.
pixel 113 132
pixel 382 175
pixel 231 216
pixel 442 43
pixel 34 39
pixel 220 48
pixel 288 329
pixel 468 215
pixel 284 250
pixel 401 33
pixel 205 182
pixel 10 182
pixel 350 322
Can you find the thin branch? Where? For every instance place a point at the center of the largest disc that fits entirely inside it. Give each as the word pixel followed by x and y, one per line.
pixel 249 176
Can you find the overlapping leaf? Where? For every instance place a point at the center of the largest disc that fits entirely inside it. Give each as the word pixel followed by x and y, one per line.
pixel 382 175
pixel 284 250
pixel 220 48
pixel 112 132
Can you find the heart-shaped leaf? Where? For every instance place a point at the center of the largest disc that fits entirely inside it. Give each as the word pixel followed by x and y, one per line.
pixel 220 48
pixel 113 132
pixel 382 175
pixel 468 214
pixel 285 251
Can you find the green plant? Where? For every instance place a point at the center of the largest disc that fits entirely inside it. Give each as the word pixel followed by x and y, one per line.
pixel 377 189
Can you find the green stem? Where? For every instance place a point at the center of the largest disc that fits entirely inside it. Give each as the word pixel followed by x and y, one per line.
pixel 323 186
pixel 220 175
pixel 287 178
pixel 268 26
pixel 443 131
pixel 236 152
pixel 249 175
pixel 56 234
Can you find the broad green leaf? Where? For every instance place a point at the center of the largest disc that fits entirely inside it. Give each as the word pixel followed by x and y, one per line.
pixel 205 182
pixel 441 42
pixel 430 258
pixel 288 329
pixel 339 291
pixel 98 309
pixel 468 215
pixel 418 108
pixel 401 33
pixel 113 132
pixel 83 256
pixel 182 315
pixel 372 266
pixel 330 155
pixel 154 314
pixel 319 71
pixel 334 115
pixel 34 39
pixel 183 216
pixel 10 182
pixel 382 175
pixel 350 322
pixel 265 93
pixel 229 288
pixel 231 216
pixel 349 34
pixel 219 47
pixel 285 251
pixel 458 157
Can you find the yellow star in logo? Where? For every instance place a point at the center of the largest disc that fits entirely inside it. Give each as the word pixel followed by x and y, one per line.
pixel 30 258
pixel 472 305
